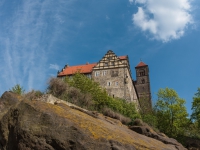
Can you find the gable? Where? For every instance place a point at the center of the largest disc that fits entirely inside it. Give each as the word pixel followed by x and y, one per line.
pixel 111 60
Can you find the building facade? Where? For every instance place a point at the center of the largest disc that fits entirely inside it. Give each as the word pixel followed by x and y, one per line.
pixel 113 73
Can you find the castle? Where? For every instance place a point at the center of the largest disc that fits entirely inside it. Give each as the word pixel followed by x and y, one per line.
pixel 114 74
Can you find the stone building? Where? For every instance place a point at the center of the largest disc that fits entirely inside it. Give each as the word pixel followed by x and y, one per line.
pixel 114 74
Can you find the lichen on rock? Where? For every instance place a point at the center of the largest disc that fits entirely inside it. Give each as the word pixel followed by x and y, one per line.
pixel 27 125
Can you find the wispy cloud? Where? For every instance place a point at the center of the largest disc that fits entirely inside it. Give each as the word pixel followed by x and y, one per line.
pixel 164 19
pixel 54 66
pixel 28 34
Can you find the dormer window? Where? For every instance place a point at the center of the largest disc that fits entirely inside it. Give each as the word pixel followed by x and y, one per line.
pixel 106 64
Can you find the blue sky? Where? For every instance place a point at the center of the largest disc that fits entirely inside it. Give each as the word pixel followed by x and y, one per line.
pixel 39 37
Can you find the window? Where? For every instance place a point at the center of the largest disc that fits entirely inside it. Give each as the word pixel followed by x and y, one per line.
pixel 88 75
pixel 108 83
pixel 104 73
pixel 114 73
pixel 112 63
pixel 106 64
pixel 116 83
pixel 143 81
pixel 141 72
pixel 97 73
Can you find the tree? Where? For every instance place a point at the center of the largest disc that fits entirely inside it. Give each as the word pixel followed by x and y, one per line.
pixel 170 112
pixel 17 89
pixel 196 107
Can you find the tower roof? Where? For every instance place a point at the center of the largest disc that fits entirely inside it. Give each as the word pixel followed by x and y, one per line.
pixel 141 64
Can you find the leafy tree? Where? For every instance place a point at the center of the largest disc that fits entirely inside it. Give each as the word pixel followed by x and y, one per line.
pixel 150 119
pixel 196 107
pixel 145 105
pixel 17 89
pixel 170 112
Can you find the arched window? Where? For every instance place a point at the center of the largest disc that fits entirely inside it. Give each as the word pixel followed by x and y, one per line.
pixel 141 72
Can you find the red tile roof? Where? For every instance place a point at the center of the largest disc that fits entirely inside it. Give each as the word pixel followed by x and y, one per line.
pixel 141 64
pixel 122 57
pixel 87 68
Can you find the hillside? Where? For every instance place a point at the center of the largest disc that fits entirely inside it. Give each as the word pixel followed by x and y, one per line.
pixel 52 124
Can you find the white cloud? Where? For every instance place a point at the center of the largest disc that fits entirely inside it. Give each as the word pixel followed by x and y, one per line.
pixel 54 66
pixel 131 1
pixel 164 19
pixel 141 1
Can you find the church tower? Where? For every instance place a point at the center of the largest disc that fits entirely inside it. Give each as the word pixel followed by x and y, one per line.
pixel 142 84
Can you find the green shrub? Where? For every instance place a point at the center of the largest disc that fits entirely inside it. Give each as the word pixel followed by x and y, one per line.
pixel 33 95
pixel 57 87
pixel 60 89
pixel 150 119
pixel 17 89
pixel 110 113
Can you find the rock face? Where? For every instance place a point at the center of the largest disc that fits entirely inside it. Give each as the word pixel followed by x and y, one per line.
pixel 144 129
pixel 39 125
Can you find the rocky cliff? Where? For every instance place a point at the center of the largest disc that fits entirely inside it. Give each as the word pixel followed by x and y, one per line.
pixel 52 124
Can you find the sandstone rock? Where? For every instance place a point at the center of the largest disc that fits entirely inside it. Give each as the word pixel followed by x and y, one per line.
pixel 28 125
pixel 192 144
pixel 146 130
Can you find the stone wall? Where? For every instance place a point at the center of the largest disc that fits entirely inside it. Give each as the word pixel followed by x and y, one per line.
pixel 117 81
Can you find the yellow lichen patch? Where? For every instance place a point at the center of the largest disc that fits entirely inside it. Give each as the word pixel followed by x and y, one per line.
pixel 100 128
